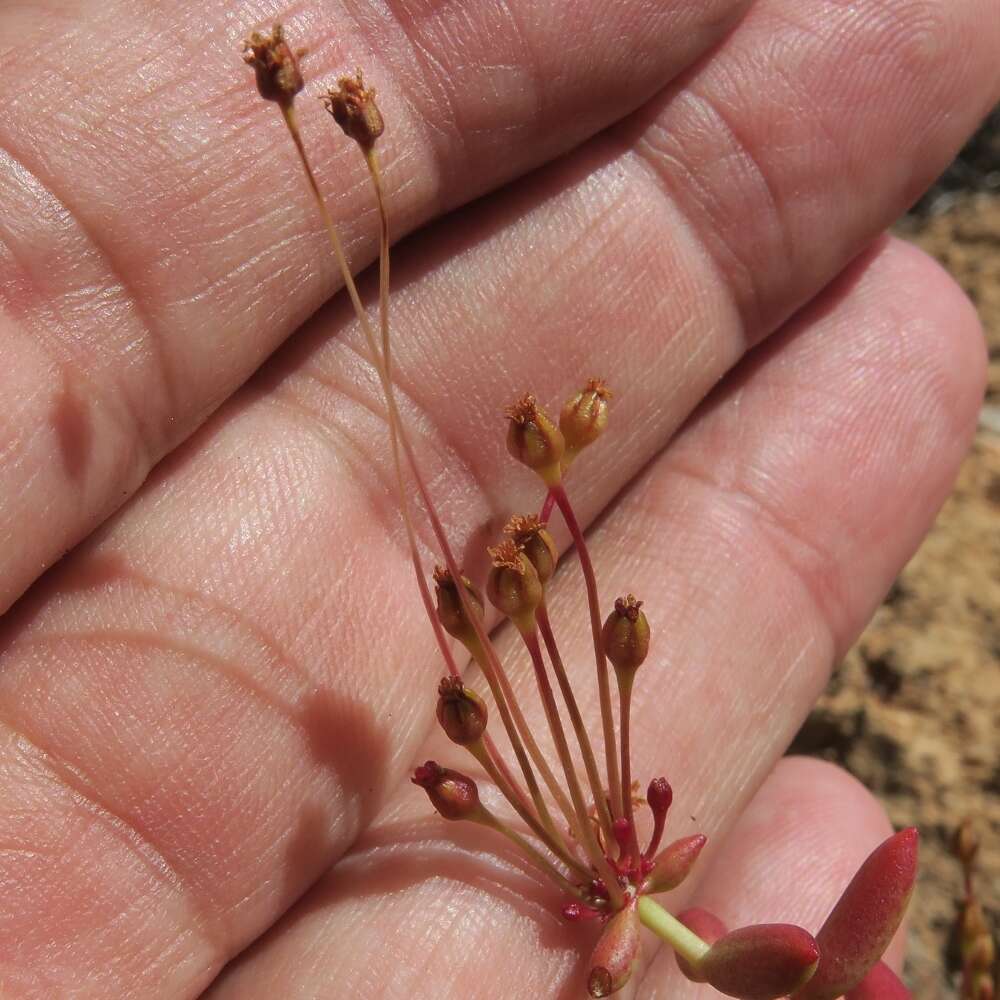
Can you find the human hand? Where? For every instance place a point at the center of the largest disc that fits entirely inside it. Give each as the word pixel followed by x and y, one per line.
pixel 221 691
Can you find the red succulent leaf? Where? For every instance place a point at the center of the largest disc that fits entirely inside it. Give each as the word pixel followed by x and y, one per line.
pixel 881 983
pixel 708 927
pixel 861 925
pixel 674 863
pixel 761 962
pixel 614 958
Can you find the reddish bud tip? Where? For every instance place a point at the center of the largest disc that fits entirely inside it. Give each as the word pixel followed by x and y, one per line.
pixel 622 829
pixel 452 794
pixel 614 958
pixel 881 983
pixel 708 927
pixel 277 71
pixel 461 712
pixel 536 542
pixel 659 795
pixel 862 923
pixel 674 864
pixel 534 440
pixel 354 109
pixel 584 417
pixel 762 962
pixel 626 635
pixel 513 586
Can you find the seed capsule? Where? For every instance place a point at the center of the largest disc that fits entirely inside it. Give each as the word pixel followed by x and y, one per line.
pixel 354 109
pixel 626 635
pixel 450 612
pixel 534 439
pixel 461 712
pixel 513 586
pixel 584 418
pixel 536 542
pixel 452 794
pixel 278 75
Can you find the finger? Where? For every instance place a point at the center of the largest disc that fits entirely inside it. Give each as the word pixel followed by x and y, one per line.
pixel 760 541
pixel 787 860
pixel 158 241
pixel 257 507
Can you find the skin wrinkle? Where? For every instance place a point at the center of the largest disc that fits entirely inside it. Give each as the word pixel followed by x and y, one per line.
pixel 142 845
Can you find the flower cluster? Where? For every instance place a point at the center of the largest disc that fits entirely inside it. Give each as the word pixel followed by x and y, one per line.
pixel 580 829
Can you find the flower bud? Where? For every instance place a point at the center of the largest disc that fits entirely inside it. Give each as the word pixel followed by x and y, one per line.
pixel 461 712
pixel 450 612
pixel 708 927
pixel 513 586
pixel 278 75
pixel 864 919
pixel 536 542
pixel 626 635
pixel 584 418
pixel 452 794
pixel 533 439
pixel 674 864
pixel 354 109
pixel 762 962
pixel 614 957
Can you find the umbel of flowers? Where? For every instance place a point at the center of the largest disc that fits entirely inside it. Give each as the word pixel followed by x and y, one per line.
pixel 579 827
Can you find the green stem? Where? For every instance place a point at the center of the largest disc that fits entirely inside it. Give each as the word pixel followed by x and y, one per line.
pixel 685 942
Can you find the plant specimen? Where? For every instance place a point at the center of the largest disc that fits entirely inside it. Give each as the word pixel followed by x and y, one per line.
pixel 583 826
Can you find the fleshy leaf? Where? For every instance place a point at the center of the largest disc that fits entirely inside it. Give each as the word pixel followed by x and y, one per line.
pixel 761 962
pixel 674 864
pixel 881 983
pixel 614 956
pixel 861 925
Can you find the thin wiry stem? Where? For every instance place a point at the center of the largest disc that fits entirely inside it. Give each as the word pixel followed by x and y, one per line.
pixel 576 719
pixel 586 835
pixel 519 730
pixel 625 713
pixel 490 765
pixel 533 854
pixel 603 686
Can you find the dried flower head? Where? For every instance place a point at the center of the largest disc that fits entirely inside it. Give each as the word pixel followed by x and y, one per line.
pixel 584 418
pixel 626 634
pixel 533 439
pixel 512 586
pixel 353 108
pixel 535 540
pixel 278 75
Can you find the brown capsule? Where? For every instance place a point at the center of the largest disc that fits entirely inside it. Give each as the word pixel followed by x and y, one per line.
pixel 353 108
pixel 532 438
pixel 965 843
pixel 535 540
pixel 278 75
pixel 450 612
pixel 452 794
pixel 513 586
pixel 626 635
pixel 461 712
pixel 584 417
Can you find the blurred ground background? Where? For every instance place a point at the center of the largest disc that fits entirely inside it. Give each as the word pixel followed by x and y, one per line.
pixel 914 711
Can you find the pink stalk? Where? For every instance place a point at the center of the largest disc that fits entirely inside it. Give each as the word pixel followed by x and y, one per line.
pixel 603 686
pixel 708 927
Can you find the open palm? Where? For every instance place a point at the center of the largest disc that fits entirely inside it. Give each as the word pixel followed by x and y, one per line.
pixel 209 707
